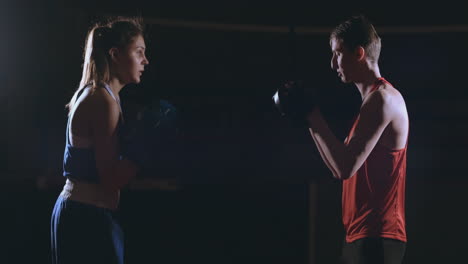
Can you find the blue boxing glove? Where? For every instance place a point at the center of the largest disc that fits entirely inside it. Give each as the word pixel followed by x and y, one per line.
pixel 134 142
pixel 149 134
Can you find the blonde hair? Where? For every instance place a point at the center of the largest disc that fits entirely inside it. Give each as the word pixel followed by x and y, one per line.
pixel 119 33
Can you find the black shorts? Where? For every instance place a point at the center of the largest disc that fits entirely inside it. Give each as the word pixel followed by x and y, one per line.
pixel 373 250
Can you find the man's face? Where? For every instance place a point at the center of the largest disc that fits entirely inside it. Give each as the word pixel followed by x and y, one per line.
pixel 343 61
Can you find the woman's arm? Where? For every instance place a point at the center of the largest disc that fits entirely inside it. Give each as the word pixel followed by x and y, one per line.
pixel 114 173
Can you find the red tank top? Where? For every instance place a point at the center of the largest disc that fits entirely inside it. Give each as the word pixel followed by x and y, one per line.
pixel 373 200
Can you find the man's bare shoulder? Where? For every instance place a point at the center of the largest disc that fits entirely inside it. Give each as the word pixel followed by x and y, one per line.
pixel 388 96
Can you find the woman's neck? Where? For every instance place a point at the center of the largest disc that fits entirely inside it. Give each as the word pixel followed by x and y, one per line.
pixel 115 85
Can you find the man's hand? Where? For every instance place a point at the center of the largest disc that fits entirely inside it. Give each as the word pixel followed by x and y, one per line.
pixel 292 101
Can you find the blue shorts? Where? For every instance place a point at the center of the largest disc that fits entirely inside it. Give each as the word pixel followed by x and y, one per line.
pixel 83 233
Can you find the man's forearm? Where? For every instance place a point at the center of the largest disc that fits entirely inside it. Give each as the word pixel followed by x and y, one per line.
pixel 324 157
pixel 333 152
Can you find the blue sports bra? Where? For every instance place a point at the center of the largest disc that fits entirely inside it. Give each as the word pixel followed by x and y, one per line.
pixel 80 163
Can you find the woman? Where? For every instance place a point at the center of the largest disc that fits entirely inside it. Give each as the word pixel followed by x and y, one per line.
pixel 83 227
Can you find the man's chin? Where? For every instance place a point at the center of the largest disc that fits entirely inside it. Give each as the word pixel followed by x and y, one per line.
pixel 344 80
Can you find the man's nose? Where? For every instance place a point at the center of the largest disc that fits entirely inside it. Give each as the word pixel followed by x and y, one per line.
pixel 333 63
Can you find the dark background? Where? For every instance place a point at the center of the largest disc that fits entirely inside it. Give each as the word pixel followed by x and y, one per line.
pixel 251 187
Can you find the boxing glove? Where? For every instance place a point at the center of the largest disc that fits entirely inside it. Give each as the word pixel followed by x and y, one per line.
pixel 149 135
pixel 293 101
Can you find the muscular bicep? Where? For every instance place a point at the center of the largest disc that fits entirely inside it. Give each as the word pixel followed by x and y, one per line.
pixel 374 118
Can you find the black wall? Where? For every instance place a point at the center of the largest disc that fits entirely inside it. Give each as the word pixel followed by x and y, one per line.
pixel 245 170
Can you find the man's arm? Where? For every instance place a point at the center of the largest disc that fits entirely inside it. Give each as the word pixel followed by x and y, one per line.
pixel 344 160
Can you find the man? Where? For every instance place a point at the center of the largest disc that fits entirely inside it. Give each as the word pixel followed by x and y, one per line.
pixel 372 160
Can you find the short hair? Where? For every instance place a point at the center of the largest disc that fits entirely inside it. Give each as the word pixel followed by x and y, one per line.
pixel 359 31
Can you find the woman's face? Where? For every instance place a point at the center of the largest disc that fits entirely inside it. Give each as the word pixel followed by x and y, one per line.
pixel 130 61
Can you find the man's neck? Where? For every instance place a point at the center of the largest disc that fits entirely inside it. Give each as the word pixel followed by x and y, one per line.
pixel 368 80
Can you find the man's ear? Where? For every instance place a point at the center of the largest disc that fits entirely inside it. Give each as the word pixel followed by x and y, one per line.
pixel 113 53
pixel 360 53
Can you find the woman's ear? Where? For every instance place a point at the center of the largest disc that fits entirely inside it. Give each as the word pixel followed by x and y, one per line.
pixel 113 53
